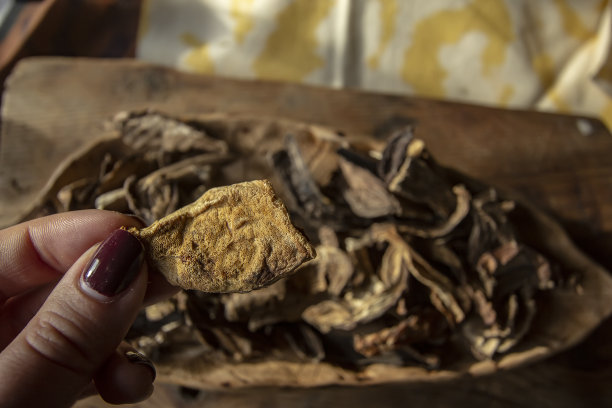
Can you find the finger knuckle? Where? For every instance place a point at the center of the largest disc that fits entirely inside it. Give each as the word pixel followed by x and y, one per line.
pixel 63 341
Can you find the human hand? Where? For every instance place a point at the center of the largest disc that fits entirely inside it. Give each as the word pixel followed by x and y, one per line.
pixel 66 303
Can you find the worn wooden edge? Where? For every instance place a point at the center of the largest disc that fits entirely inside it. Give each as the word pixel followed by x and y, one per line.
pixel 25 66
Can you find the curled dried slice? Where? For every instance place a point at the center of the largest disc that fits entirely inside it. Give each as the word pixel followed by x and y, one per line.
pixel 232 239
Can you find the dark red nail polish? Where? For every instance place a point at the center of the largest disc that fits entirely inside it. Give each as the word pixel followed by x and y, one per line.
pixel 114 265
pixel 135 357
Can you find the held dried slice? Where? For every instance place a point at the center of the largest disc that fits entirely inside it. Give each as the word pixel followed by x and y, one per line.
pixel 232 239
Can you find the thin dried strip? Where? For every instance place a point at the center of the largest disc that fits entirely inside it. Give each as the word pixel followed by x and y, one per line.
pixel 379 295
pixel 442 289
pixel 462 209
pixel 163 191
pixel 114 200
pixel 334 268
pixel 394 153
pixel 121 169
pixel 354 308
pixel 72 196
pixel 151 201
pixel 294 172
pixel 419 327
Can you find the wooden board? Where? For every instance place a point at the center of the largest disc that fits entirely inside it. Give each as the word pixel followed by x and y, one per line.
pixel 56 104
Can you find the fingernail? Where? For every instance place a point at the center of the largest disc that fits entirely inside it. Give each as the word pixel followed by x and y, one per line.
pixel 135 357
pixel 114 265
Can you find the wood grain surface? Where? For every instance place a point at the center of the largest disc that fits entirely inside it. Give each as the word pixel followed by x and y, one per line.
pixel 55 104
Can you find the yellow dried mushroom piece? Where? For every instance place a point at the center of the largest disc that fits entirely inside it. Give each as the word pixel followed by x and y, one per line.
pixel 232 239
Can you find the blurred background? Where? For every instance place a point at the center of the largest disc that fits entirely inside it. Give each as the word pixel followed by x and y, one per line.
pixel 551 55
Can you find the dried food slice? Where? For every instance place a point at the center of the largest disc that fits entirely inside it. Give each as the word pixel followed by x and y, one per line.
pixel 232 239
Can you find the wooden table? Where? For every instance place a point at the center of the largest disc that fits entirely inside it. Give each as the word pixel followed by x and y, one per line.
pixel 562 163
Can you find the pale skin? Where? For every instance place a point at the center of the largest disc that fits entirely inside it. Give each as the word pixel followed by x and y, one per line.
pixel 57 342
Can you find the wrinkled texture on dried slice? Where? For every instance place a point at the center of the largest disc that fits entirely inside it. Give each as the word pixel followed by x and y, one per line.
pixel 232 239
pixel 114 200
pixel 355 308
pixel 366 194
pixel 164 190
pixel 394 153
pixel 120 169
pixel 318 149
pixel 442 290
pixel 334 269
pixel 150 130
pixel 152 201
pixel 379 293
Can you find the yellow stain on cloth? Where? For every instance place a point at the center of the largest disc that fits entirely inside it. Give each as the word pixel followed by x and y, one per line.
pixel 560 104
pixel 198 59
pixel 388 14
pixel 606 114
pixel 572 23
pixel 573 26
pixel 290 53
pixel 544 67
pixel 605 72
pixel 506 95
pixel 422 69
pixel 143 23
pixel 243 18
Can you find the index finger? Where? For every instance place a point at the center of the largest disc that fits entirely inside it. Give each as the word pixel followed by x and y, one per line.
pixel 40 251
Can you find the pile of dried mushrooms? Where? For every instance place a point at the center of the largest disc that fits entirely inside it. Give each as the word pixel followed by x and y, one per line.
pixel 413 260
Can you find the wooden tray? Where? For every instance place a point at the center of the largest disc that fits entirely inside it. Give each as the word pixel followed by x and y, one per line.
pixel 54 105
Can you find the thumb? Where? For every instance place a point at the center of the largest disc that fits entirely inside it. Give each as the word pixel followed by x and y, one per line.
pixel 78 327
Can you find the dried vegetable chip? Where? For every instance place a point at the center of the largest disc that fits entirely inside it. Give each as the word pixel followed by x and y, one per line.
pixel 232 239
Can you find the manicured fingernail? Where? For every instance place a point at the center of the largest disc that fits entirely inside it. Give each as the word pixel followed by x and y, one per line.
pixel 135 357
pixel 114 265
